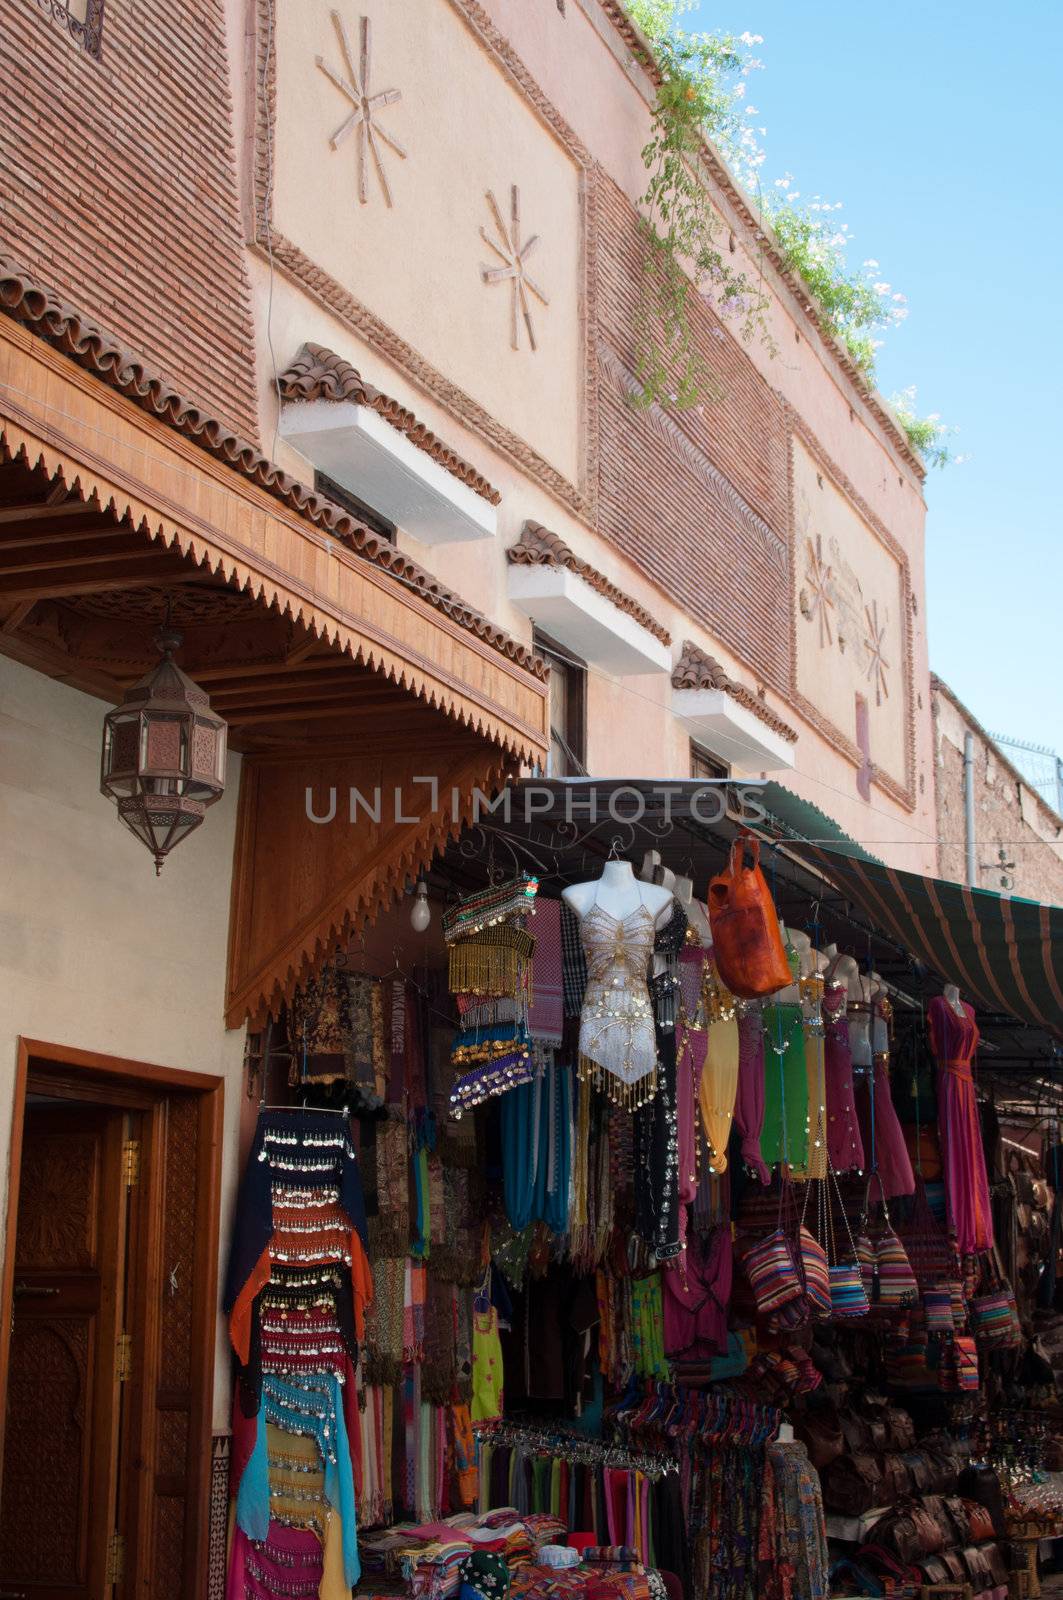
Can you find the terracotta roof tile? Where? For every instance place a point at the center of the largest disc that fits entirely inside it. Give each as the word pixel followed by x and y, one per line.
pixel 696 669
pixel 26 300
pixel 318 373
pixel 537 546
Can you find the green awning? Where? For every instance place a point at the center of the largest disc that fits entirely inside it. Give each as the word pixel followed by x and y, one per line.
pixel 800 820
pixel 1004 953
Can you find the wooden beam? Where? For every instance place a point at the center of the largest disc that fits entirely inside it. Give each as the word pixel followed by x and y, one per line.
pixel 207 674
pixel 17 616
pixel 67 563
pixel 36 512
pixel 47 538
pixel 96 585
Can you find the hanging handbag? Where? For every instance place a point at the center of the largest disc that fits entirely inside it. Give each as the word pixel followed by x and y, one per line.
pixel 896 1280
pixel 812 1256
pixel 746 941
pixel 772 1272
pixel 937 1304
pixel 848 1297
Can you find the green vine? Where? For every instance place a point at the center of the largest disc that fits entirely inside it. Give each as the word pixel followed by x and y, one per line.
pixel 928 436
pixel 682 232
pixel 702 98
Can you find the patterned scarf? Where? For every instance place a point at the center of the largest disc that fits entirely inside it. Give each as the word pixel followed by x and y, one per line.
pixel 573 963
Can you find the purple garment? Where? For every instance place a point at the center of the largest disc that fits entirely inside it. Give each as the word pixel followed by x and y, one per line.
pixel 954 1040
pixel 884 1142
pixel 749 1105
pixel 697 1292
pixel 845 1147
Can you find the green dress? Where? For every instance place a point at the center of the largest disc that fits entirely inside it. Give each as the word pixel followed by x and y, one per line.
pixel 784 1136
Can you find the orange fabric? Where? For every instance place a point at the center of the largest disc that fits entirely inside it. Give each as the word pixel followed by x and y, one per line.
pixel 361 1284
pixel 240 1315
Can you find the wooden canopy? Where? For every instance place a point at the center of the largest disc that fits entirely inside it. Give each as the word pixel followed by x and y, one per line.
pixel 328 668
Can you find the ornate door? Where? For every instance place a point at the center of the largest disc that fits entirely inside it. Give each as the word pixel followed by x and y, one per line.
pixel 57 1515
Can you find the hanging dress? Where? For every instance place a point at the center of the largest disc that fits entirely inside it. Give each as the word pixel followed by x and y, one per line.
pixel 617 1046
pixel 719 1079
pixel 749 1104
pixel 784 1137
pixel 954 1040
pixel 883 1136
pixel 815 1073
pixel 845 1146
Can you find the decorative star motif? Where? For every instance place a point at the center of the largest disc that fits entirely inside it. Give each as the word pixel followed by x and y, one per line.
pixel 819 576
pixel 876 660
pixel 513 255
pixel 356 87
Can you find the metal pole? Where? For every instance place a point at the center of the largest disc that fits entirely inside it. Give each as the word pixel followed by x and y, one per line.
pixel 968 808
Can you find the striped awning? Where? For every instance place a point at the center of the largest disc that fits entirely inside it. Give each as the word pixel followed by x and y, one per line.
pixel 1004 953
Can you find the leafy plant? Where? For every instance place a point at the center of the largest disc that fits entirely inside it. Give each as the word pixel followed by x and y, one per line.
pixel 682 231
pixel 702 97
pixel 928 436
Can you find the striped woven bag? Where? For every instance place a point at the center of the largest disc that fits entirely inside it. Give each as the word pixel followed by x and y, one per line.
pixel 772 1272
pixel 896 1280
pixel 848 1297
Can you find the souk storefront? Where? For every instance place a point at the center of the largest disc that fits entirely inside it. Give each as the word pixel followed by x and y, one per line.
pixel 586 1248
pixel 328 658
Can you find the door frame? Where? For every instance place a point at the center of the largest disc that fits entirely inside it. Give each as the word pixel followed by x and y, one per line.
pixel 145 1087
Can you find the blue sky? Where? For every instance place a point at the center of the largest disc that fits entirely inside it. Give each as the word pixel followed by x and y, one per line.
pixel 939 127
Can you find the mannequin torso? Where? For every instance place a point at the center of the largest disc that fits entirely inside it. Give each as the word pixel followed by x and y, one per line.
pixel 618 892
pixel 952 995
pixel 794 939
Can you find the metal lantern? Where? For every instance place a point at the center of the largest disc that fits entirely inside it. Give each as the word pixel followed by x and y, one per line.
pixel 163 754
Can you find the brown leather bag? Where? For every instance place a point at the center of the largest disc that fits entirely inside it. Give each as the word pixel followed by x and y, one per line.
pixel 746 941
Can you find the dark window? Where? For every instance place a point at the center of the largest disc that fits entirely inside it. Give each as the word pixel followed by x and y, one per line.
pixel 568 709
pixel 83 20
pixel 704 765
pixel 354 507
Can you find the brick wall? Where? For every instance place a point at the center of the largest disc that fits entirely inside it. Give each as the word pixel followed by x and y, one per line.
pixel 698 499
pixel 118 185
pixel 1008 814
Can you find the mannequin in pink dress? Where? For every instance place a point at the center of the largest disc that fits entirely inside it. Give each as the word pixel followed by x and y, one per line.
pixel 844 1144
pixel 883 1136
pixel 954 1040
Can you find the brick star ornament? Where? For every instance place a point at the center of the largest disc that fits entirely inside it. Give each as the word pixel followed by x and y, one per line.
pixel 363 117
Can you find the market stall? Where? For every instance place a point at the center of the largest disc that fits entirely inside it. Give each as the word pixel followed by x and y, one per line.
pixel 599 1237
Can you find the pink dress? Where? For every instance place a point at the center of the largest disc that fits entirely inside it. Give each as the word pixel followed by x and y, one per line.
pixel 749 1104
pixel 845 1147
pixel 883 1137
pixel 954 1040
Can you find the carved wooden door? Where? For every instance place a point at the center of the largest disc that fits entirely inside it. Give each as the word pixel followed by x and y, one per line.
pixel 57 1515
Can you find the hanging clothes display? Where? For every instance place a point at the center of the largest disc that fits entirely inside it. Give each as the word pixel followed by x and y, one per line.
pixel 298 1288
pixel 784 1137
pixel 954 1040
pixel 719 1078
pixel 812 989
pixel 749 1101
pixel 881 1132
pixel 845 1146
pixel 617 1043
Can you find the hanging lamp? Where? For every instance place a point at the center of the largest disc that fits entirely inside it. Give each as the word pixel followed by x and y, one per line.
pixel 163 753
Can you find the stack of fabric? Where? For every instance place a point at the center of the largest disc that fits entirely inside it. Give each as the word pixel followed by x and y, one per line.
pixel 298 1287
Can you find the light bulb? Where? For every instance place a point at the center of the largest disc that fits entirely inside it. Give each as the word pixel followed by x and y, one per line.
pixel 421 912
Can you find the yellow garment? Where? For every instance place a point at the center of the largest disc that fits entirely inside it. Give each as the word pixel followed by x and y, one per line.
pixel 817 1105
pixel 287 1448
pixel 718 1089
pixel 486 1366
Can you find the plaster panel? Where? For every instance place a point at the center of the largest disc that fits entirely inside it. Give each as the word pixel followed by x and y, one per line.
pixel 849 597
pixel 467 131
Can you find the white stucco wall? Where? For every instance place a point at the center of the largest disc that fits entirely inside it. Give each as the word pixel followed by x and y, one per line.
pixel 95 951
